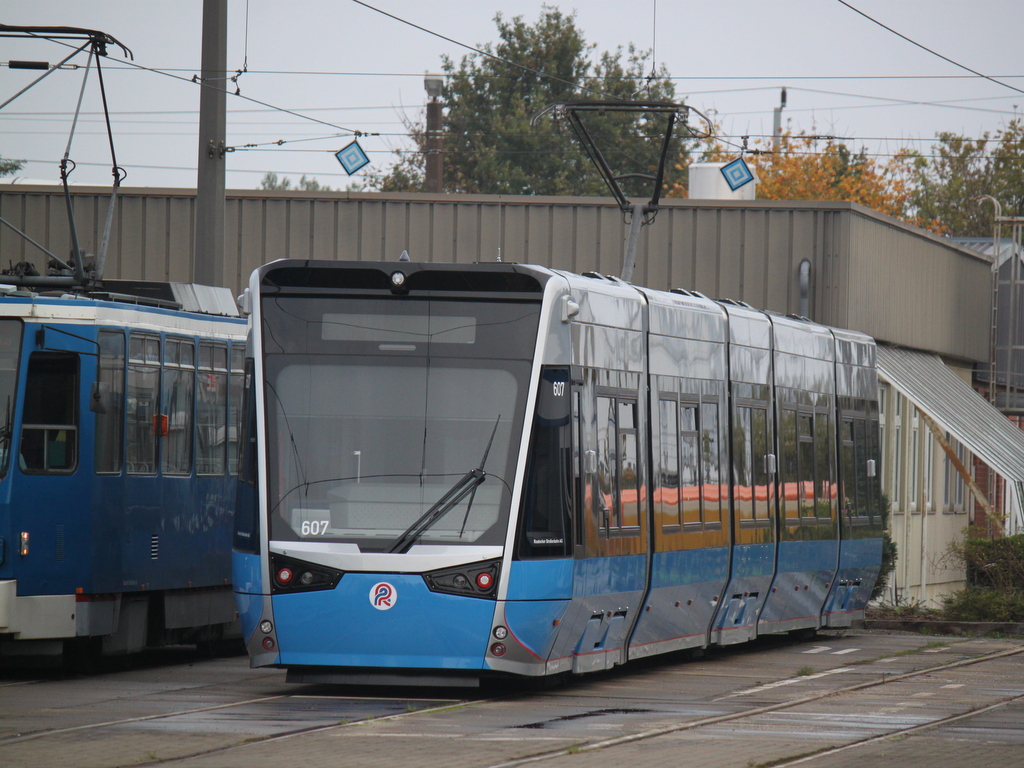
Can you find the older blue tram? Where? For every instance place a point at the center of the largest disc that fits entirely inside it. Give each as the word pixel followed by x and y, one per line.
pixel 119 409
pixel 452 471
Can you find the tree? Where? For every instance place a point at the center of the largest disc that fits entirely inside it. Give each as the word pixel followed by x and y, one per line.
pixel 490 145
pixel 948 183
pixel 7 167
pixel 806 167
pixel 271 181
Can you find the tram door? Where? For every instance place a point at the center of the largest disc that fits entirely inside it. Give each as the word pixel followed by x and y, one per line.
pixel 50 489
pixel 753 516
pixel 610 562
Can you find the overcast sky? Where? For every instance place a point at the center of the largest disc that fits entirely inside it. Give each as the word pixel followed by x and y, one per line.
pixel 356 69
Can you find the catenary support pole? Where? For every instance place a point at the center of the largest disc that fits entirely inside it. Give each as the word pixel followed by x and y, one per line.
pixel 208 267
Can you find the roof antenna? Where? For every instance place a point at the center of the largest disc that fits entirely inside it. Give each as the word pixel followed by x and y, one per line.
pixel 404 256
pixel 499 253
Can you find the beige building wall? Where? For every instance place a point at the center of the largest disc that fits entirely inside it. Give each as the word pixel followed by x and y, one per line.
pixel 867 271
pixel 929 503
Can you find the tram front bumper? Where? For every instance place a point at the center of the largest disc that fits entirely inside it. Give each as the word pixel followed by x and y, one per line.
pixel 382 620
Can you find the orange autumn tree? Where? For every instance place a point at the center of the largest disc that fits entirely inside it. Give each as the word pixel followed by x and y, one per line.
pixel 808 167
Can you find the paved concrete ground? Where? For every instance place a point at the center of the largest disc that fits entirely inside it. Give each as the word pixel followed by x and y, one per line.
pixel 671 711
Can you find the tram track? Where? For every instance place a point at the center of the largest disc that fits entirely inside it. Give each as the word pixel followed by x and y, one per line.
pixel 791 704
pixel 432 706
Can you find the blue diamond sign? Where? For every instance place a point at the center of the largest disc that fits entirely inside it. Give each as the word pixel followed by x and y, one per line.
pixel 736 174
pixel 352 158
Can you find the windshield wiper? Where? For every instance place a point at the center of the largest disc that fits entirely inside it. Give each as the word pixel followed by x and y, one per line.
pixel 463 487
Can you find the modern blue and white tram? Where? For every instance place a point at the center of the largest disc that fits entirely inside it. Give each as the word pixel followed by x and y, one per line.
pixel 118 446
pixel 459 470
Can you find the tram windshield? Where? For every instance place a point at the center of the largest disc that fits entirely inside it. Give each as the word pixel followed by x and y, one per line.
pixel 10 352
pixel 393 423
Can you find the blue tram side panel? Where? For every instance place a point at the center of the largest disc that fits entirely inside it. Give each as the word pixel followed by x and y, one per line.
pixel 453 471
pixel 118 450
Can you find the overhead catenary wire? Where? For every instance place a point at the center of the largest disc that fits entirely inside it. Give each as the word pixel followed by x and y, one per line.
pixel 488 54
pixel 357 129
pixel 929 50
pixel 196 80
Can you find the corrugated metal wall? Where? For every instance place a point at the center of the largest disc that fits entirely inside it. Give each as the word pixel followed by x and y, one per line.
pixel 868 272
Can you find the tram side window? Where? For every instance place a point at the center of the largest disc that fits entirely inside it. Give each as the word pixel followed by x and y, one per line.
pixel 805 437
pixel 212 409
pixel 761 447
pixel 618 472
pixel 689 464
pixel 743 465
pixel 176 406
pixel 849 480
pixel 247 526
pixel 547 496
pixel 142 403
pixel 750 449
pixel 110 417
pixel 712 489
pixel 604 498
pixel 49 432
pixel 825 492
pixel 790 464
pixel 669 493
pixel 237 415
pixel 629 479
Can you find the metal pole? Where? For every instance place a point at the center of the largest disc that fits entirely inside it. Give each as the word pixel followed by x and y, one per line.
pixel 632 242
pixel 776 136
pixel 993 337
pixel 208 268
pixel 434 176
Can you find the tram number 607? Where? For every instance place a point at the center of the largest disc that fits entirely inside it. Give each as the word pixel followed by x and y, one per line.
pixel 314 527
pixel 558 388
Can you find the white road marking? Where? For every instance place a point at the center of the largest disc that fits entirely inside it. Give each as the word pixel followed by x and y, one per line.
pixel 788 681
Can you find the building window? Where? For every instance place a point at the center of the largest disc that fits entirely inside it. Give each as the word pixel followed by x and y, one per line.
pixel 913 456
pixel 954 486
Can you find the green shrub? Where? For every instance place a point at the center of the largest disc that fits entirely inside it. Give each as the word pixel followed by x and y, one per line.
pixel 889 553
pixel 977 603
pixel 996 563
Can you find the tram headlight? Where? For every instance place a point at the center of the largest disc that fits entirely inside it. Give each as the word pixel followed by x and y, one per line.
pixel 397 279
pixel 500 632
pixel 292 575
pixel 472 580
pixel 266 626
